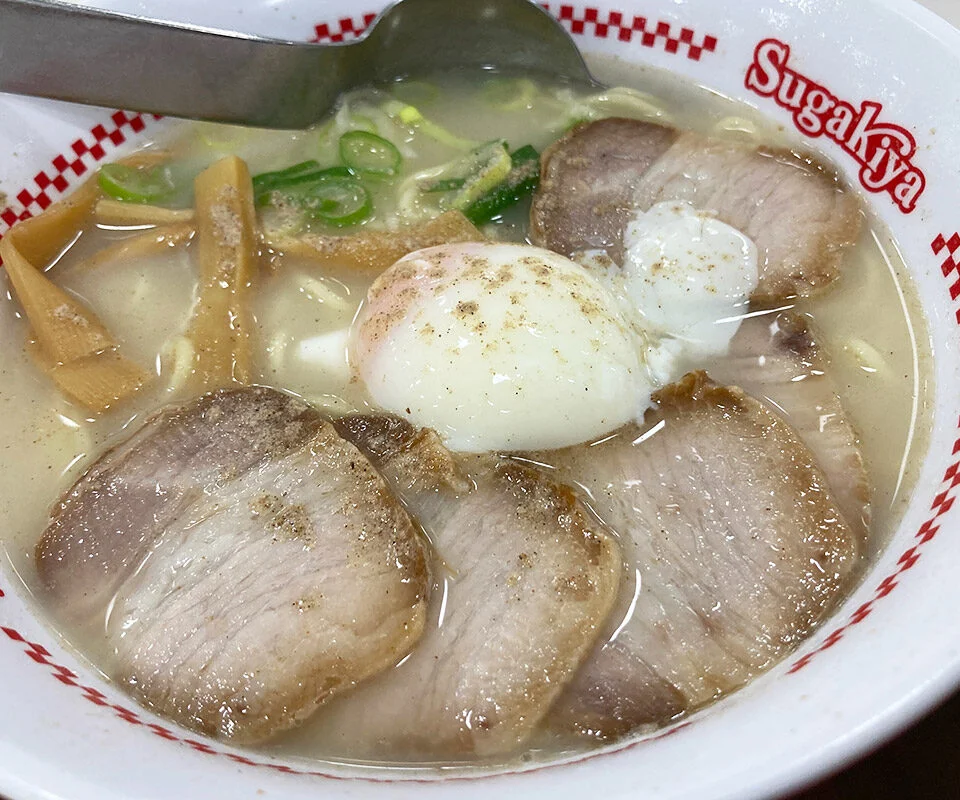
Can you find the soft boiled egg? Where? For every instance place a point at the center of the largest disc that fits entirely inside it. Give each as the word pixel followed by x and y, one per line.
pixel 499 347
pixel 689 275
pixel 507 346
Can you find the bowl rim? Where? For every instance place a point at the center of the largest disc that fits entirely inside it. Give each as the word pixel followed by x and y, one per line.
pixel 884 724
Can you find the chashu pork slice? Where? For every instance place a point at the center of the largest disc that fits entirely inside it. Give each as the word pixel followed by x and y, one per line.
pixel 776 359
pixel 598 176
pixel 737 545
pixel 526 580
pixel 105 524
pixel 588 179
pixel 282 581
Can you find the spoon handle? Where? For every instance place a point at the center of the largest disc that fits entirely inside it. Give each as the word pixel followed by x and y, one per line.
pixel 56 50
pixel 60 51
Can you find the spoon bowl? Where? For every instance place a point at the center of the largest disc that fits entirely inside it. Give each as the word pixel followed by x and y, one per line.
pixel 133 62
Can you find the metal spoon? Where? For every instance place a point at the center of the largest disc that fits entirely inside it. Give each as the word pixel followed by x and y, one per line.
pixel 60 51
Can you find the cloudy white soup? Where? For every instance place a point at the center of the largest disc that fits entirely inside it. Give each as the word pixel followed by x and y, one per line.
pixel 490 419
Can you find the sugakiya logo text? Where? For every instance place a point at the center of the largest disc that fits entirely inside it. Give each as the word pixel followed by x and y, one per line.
pixel 883 150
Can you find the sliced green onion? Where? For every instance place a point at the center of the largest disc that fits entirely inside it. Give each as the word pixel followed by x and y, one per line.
pixel 482 169
pixel 266 184
pixel 444 185
pixel 522 180
pixel 338 171
pixel 332 199
pixel 267 181
pixel 292 172
pixel 526 153
pixel 369 154
pixel 136 184
pixel 457 184
pixel 333 195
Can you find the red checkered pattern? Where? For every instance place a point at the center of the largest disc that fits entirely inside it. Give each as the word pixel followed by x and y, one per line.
pixel 630 28
pixel 950 266
pixel 343 30
pixel 51 183
pixel 39 654
pixel 942 503
pixel 585 21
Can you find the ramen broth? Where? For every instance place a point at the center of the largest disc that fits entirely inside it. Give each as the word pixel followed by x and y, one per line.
pixel 878 360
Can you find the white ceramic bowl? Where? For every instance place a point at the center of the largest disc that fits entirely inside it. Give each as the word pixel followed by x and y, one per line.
pixel 887 655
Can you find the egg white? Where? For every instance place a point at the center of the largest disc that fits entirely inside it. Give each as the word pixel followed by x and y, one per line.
pixel 689 276
pixel 504 347
pixel 499 347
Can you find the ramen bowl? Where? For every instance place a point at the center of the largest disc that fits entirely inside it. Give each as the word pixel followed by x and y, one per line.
pixel 886 655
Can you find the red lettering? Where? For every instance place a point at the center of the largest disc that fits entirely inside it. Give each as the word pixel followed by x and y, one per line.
pixel 883 150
